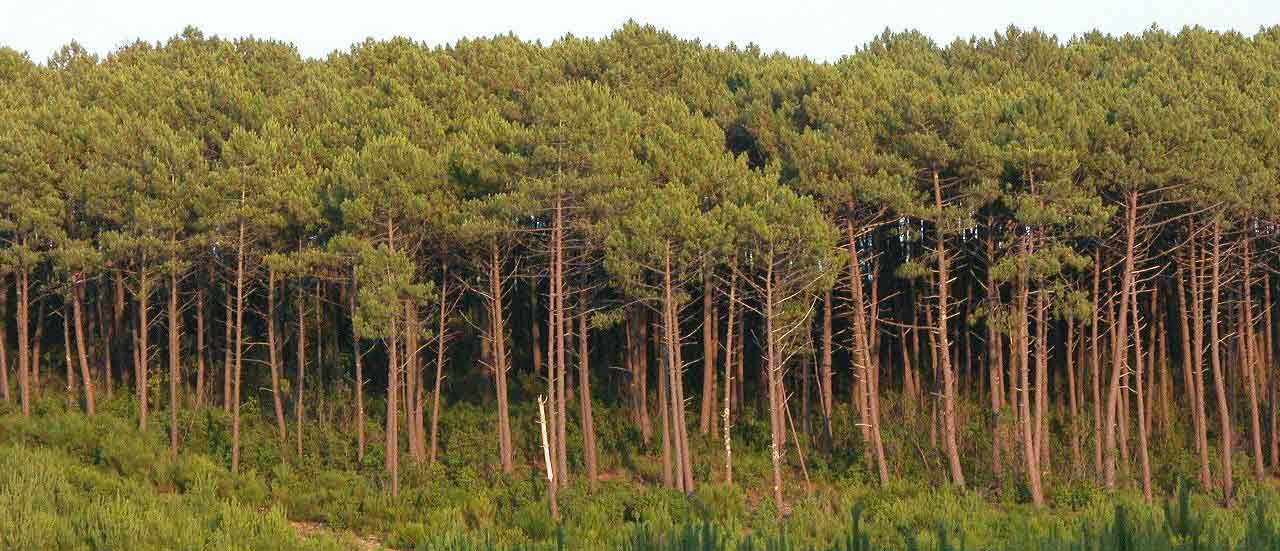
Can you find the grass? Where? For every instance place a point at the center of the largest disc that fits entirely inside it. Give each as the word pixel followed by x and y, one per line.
pixel 72 482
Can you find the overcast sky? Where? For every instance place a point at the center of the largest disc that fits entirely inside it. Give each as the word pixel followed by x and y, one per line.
pixel 822 30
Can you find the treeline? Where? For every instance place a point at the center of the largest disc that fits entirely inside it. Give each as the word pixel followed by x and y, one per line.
pixel 1071 243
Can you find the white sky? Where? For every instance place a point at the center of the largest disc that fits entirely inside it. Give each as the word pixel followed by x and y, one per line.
pixel 820 29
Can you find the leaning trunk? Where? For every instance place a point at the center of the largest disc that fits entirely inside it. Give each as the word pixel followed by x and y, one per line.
pixel 77 306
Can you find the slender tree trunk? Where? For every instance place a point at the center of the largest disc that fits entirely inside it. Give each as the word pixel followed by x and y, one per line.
pixel 300 406
pixel 864 364
pixel 1144 460
pixel 1042 378
pixel 392 432
pixel 671 332
pixel 825 376
pixel 739 365
pixel 668 476
pixel 535 330
pixel 38 340
pixel 239 348
pixel 175 369
pixel 546 456
pixel 1268 363
pixel 228 356
pixel 144 325
pixel 1077 457
pixel 273 356
pixel 642 374
pixel 24 324
pixel 440 342
pixel 141 354
pixel 1166 371
pixel 559 331
pixel 393 409
pixel 551 370
pixel 1250 363
pixel 1119 345
pixel 707 418
pixel 1215 361
pixel 1191 370
pixel 643 365
pixel 728 370
pixel 66 351
pixel 584 399
pixel 106 335
pixel 1024 380
pixel 200 348
pixel 358 352
pixel 4 338
pixel 772 370
pixel 944 346
pixel 1156 372
pixel 415 397
pixel 77 306
pixel 500 359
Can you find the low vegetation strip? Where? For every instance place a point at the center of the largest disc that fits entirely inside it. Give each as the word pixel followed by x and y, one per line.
pixel 72 482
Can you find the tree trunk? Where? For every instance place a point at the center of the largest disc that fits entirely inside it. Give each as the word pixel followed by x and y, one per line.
pixel 706 419
pixel 413 385
pixel 728 370
pixel 392 432
pixel 66 351
pixel 500 359
pixel 1215 362
pixel 584 399
pixel 675 370
pixel 38 340
pixel 228 356
pixel 273 356
pixel 106 335
pixel 546 456
pixel 944 346
pixel 1042 378
pixel 668 476
pixel 300 407
pixel 772 371
pixel 535 331
pixel 825 376
pixel 4 338
pixel 393 412
pixel 175 370
pixel 1023 361
pixel 559 344
pixel 200 348
pixel 1119 342
pixel 142 353
pixel 442 338
pixel 864 364
pixel 77 306
pixel 995 360
pixel 239 347
pixel 1250 364
pixel 117 329
pixel 1142 396
pixel 24 323
pixel 1268 363
pixel 358 354
pixel 1191 357
pixel 1077 458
